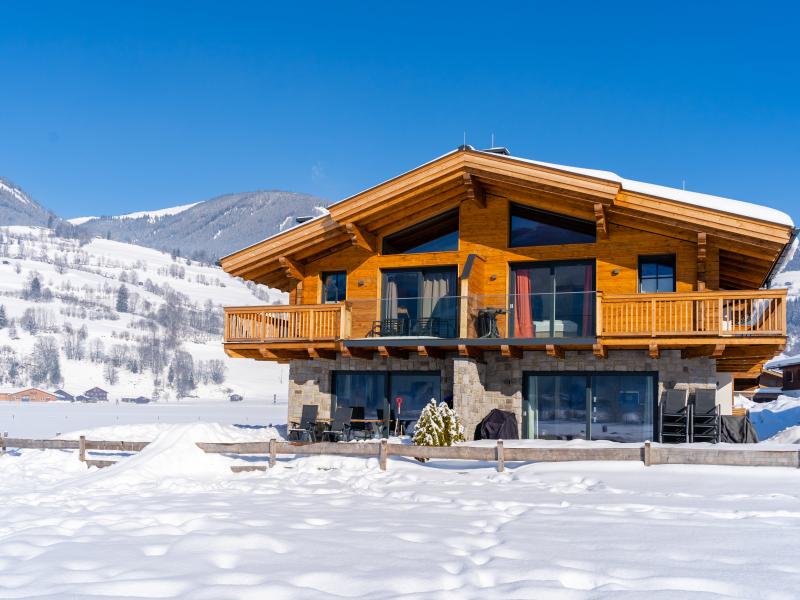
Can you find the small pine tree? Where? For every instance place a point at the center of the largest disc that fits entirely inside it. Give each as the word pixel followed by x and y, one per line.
pixel 438 426
pixel 122 299
pixel 3 318
pixel 12 331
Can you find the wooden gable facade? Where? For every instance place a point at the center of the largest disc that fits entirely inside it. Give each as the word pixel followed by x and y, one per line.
pixel 721 261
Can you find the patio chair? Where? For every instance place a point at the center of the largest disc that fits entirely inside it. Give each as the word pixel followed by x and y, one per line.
pixel 673 417
pixel 360 429
pixel 340 426
pixel 705 418
pixel 388 328
pixel 306 429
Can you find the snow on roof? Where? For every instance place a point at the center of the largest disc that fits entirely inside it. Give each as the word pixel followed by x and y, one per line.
pixel 780 363
pixel 737 207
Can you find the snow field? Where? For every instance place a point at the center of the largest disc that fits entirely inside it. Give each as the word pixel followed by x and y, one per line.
pixel 173 522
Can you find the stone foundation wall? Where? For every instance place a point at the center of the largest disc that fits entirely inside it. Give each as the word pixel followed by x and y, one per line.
pixel 477 387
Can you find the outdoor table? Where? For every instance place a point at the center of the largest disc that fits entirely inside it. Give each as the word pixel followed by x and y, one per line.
pixel 490 314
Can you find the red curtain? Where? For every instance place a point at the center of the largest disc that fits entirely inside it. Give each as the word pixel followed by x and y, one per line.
pixel 588 300
pixel 523 313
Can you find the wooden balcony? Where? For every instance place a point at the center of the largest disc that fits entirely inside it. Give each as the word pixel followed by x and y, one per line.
pixel 754 322
pixel 733 314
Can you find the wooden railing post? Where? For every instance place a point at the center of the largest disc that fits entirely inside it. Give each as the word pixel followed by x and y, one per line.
pixel 383 453
pixel 647 459
pixel 82 448
pixel 273 452
pixel 598 314
pixel 501 460
pixel 653 328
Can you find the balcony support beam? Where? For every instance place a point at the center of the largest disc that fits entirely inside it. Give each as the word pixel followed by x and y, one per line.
pixel 554 351
pixel 392 352
pixel 470 352
pixel 600 351
pixel 510 351
pixel 654 351
pixel 430 352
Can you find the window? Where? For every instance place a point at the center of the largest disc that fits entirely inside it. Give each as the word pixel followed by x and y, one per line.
pixel 657 274
pixel 553 299
pixel 439 234
pixel 334 287
pixel 533 227
pixel 388 401
pixel 420 302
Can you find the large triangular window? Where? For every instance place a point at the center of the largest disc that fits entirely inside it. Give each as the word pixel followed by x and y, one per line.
pixel 534 227
pixel 439 234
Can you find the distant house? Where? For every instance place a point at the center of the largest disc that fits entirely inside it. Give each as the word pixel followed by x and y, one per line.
pixel 790 367
pixel 64 395
pixel 95 394
pixel 29 395
pixel 137 400
pixel 236 398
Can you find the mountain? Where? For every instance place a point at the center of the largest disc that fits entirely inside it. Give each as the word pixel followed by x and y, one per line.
pixel 66 321
pixel 17 208
pixel 788 276
pixel 207 230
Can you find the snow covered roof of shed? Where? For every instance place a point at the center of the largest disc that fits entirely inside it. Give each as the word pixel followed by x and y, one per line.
pixel 780 363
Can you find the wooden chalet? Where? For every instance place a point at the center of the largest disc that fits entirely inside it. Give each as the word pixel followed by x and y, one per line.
pixel 572 297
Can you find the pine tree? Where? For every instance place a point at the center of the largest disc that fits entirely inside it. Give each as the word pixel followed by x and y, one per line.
pixel 430 426
pixel 122 299
pixel 3 318
pixel 453 429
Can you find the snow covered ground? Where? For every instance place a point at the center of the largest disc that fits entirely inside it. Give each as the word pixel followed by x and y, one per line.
pixel 173 522
pixel 47 420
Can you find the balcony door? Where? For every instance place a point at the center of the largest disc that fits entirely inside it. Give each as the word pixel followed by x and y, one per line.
pixel 553 299
pixel 420 302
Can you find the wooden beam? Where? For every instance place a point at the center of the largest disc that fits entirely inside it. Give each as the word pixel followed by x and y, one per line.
pixel 654 351
pixel 600 351
pixel 316 353
pixel 470 352
pixel 475 191
pixel 601 221
pixel 554 351
pixel 719 350
pixel 392 351
pixel 430 351
pixel 354 352
pixel 267 355
pixel 362 239
pixel 511 351
pixel 702 243
pixel 714 351
pixel 293 269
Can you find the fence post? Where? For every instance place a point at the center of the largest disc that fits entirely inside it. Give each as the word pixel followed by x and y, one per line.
pixel 82 448
pixel 384 450
pixel 273 452
pixel 501 460
pixel 3 442
pixel 647 459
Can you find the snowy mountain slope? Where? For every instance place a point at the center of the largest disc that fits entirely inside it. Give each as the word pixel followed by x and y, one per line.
pixel 788 276
pixel 17 208
pixel 206 230
pixel 174 307
pixel 150 214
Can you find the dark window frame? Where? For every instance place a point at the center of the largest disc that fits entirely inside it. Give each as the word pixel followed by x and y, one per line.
pixel 553 219
pixel 323 288
pixel 422 227
pixel 644 259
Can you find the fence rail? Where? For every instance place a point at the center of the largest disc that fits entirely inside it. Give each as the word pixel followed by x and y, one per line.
pixel 647 453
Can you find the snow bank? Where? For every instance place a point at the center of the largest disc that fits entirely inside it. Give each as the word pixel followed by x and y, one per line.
pixel 770 418
pixel 790 435
pixel 147 432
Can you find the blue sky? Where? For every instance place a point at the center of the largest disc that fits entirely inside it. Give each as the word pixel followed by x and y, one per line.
pixel 107 108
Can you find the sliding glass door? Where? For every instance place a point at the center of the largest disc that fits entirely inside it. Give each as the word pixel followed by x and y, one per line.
pixel 553 299
pixel 592 406
pixel 420 302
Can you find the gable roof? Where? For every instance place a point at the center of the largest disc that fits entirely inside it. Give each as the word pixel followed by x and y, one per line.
pixel 758 233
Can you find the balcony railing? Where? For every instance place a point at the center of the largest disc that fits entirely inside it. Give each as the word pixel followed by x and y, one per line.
pixel 304 322
pixel 568 315
pixel 715 314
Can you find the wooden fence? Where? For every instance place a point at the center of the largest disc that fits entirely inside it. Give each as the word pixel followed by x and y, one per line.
pixel 499 453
